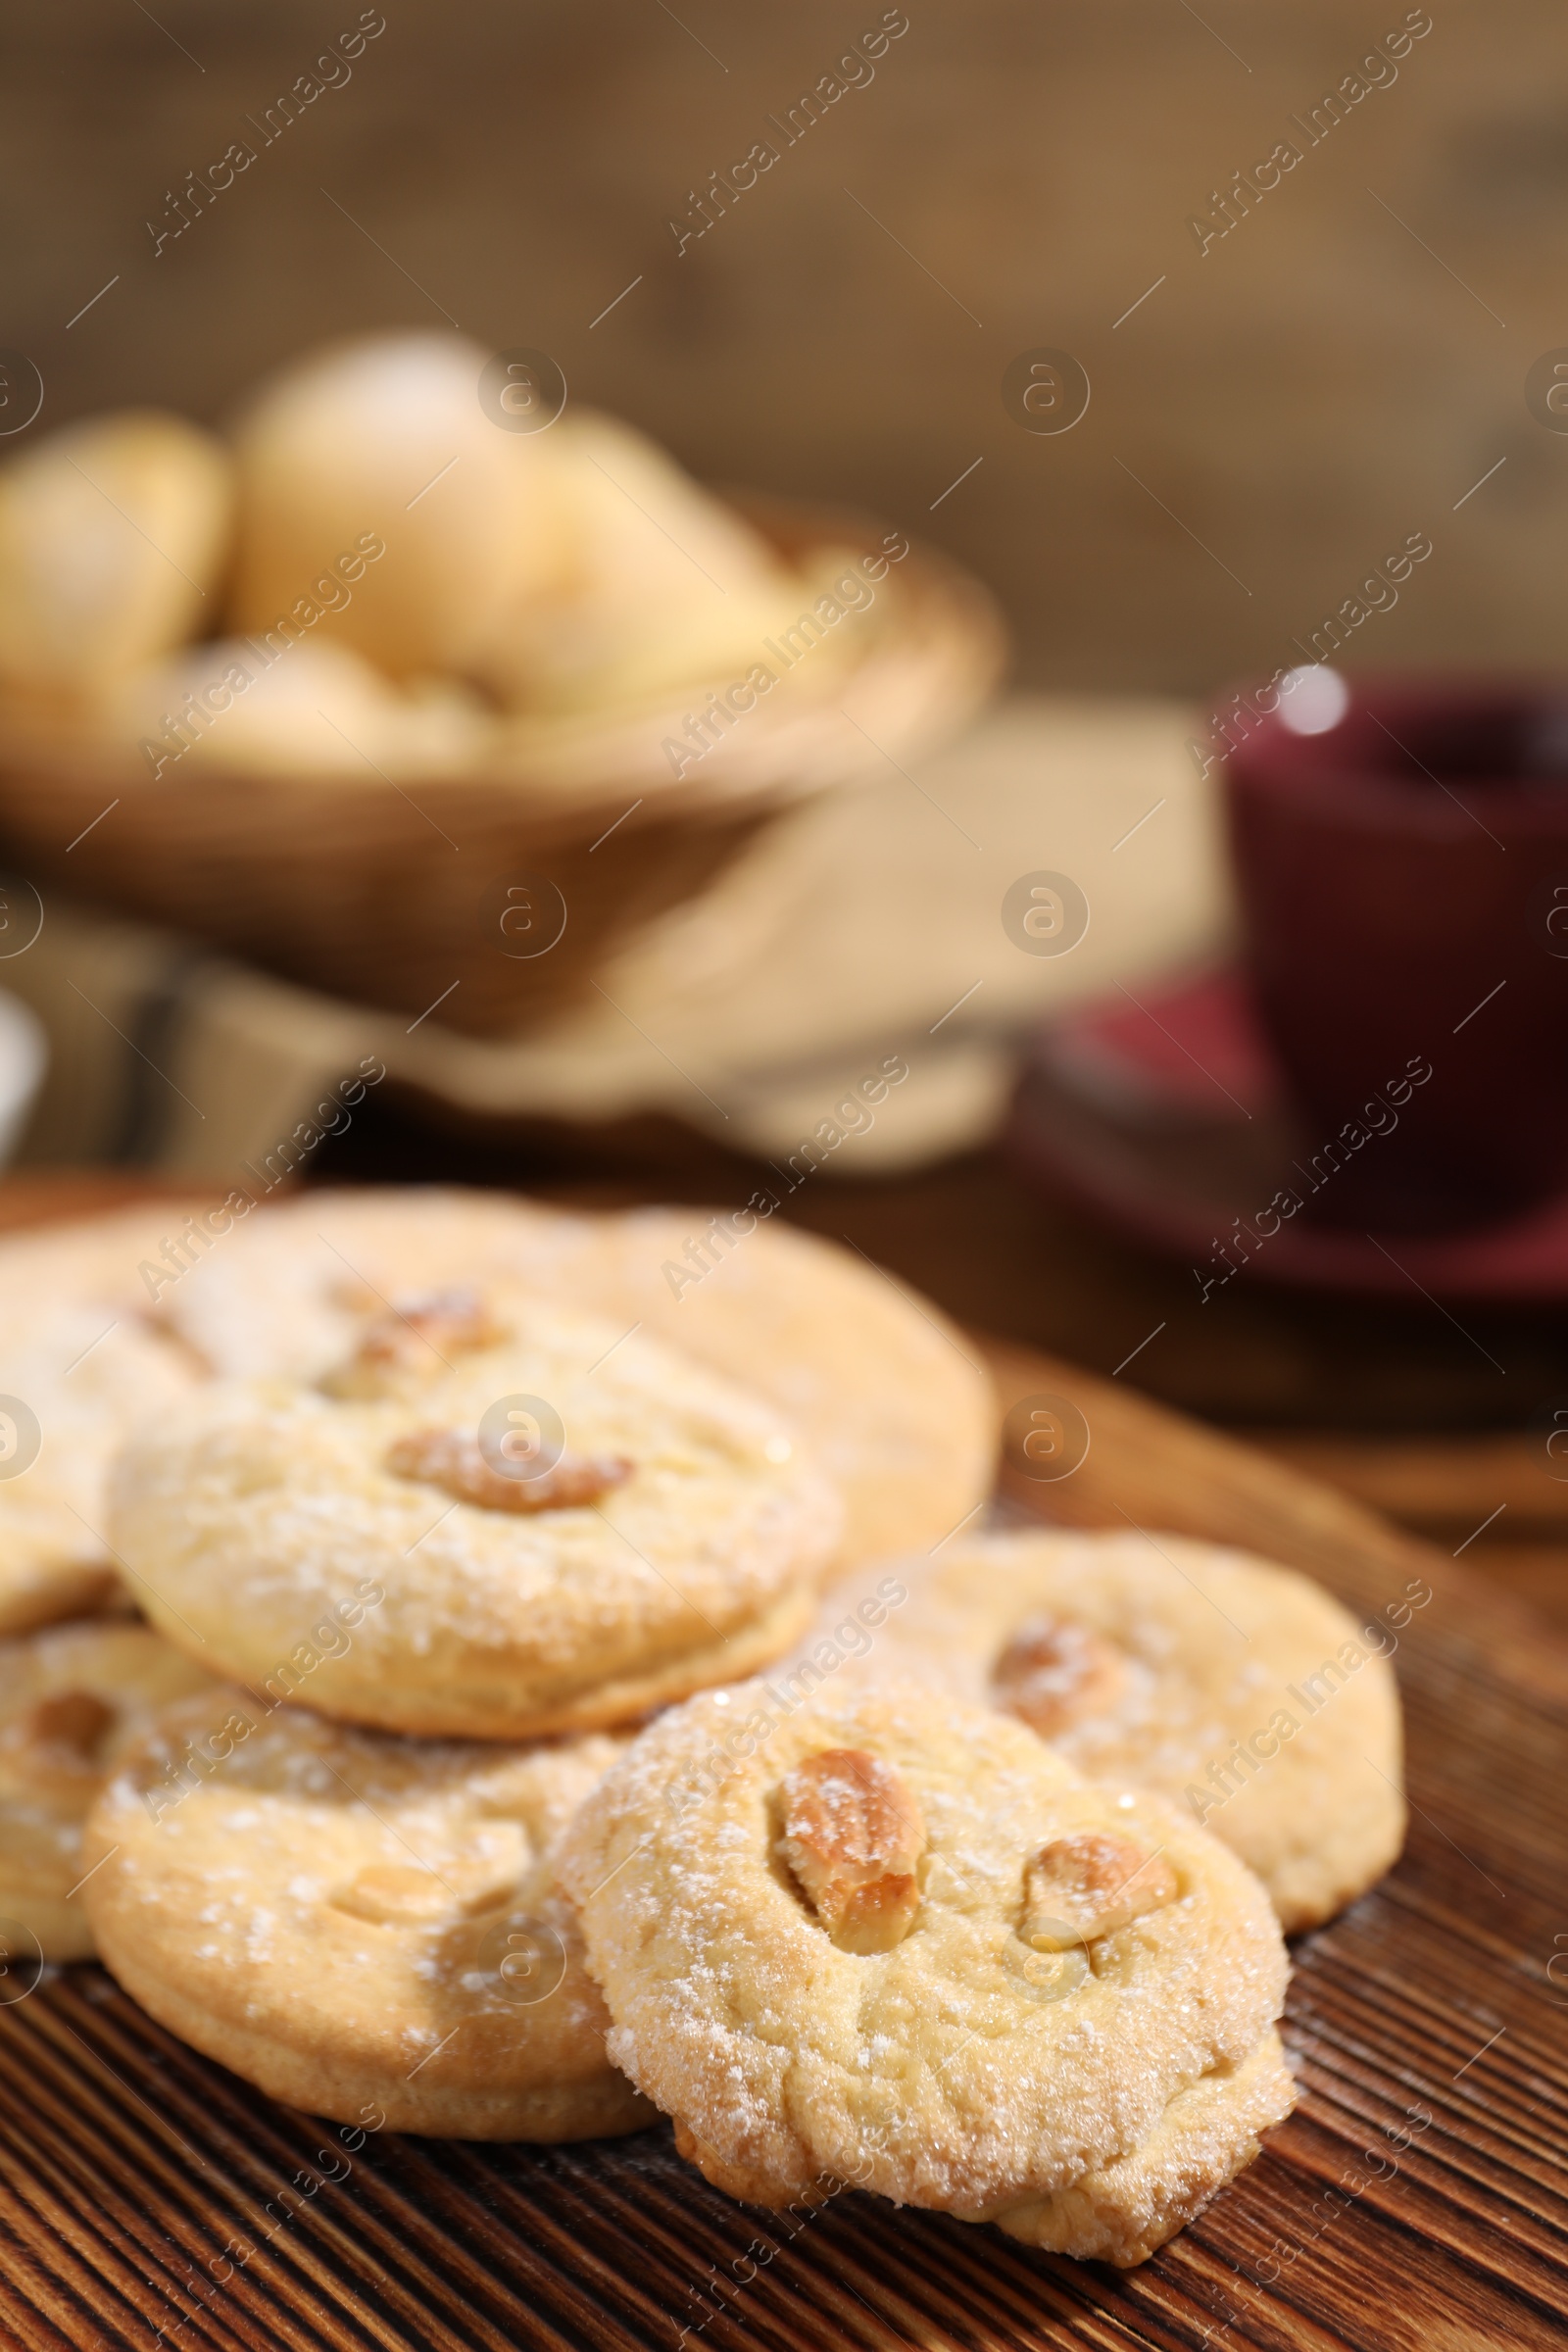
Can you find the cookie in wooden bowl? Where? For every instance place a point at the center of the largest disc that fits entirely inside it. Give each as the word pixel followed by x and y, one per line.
pixel 113 534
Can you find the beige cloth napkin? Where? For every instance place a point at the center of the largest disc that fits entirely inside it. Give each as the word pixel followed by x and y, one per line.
pixel 862 929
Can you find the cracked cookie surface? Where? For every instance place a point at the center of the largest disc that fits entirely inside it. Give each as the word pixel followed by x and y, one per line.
pixel 1086 2083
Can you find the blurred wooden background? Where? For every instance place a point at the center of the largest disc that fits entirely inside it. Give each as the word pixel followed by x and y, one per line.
pixel 1276 416
pixel 1322 382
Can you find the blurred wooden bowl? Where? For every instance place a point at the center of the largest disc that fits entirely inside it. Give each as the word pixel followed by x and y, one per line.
pixel 402 894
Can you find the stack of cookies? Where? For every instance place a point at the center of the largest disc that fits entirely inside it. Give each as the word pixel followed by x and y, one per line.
pixel 559 1696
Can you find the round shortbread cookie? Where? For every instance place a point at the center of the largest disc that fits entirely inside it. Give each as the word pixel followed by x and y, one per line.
pixel 888 1939
pixel 489 1525
pixel 886 1395
pixel 366 1926
pixel 74 1699
pixel 81 1356
pixel 1239 1688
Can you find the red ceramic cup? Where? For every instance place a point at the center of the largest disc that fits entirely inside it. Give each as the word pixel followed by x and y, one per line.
pixel 1401 851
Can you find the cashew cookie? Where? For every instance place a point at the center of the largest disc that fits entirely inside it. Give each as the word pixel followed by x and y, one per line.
pixel 1237 1688
pixel 510 1522
pixel 358 1923
pixel 895 1939
pixel 889 1398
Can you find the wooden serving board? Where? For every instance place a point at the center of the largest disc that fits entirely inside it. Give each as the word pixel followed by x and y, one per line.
pixel 1417 2198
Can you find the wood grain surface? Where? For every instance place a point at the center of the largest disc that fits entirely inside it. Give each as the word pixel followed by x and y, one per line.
pixel 1417 2198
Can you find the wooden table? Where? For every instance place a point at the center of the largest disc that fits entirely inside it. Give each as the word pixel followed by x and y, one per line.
pixel 1417 2198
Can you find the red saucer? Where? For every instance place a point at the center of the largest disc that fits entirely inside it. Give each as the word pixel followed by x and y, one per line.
pixel 1160 1112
